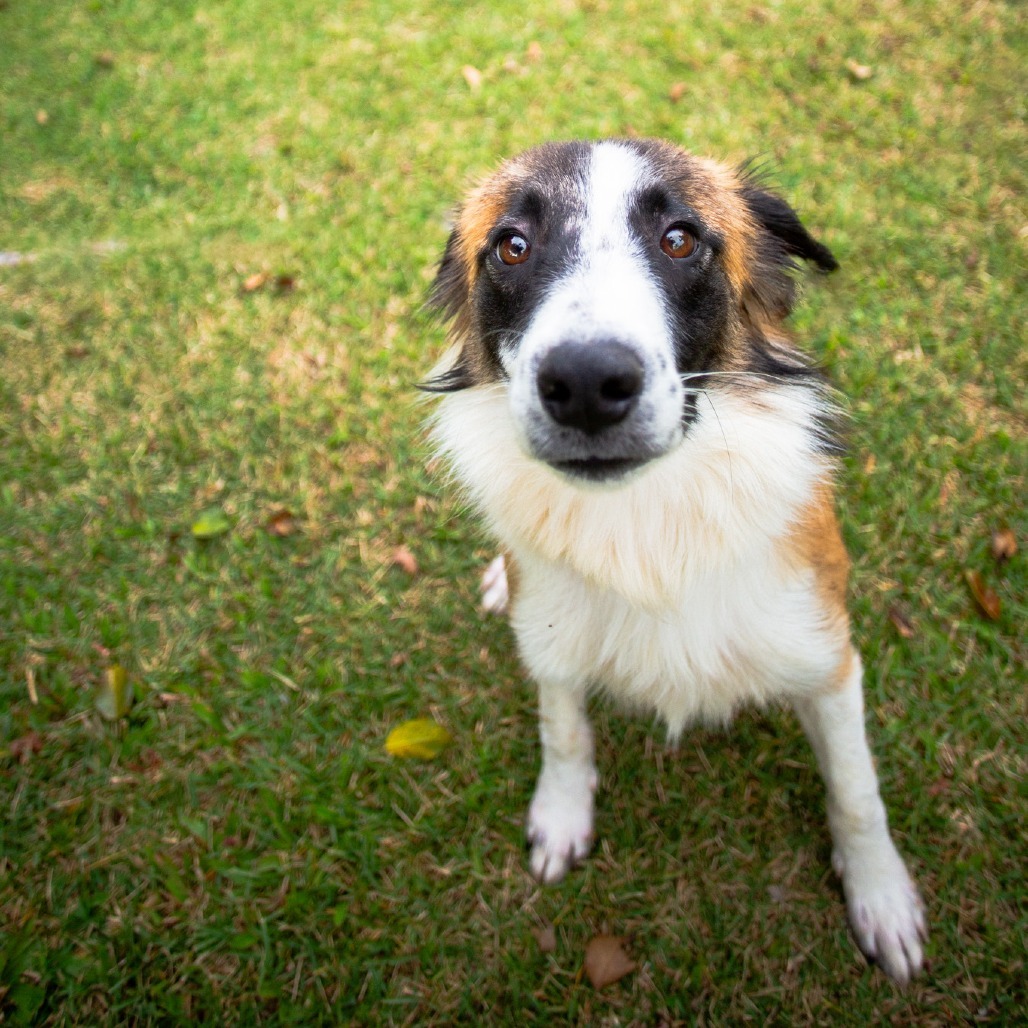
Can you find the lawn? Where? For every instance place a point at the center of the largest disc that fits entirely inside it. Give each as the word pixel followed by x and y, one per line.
pixel 218 225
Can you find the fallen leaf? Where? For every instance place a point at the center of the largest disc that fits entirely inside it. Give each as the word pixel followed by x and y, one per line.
pixel 11 258
pixel 472 76
pixel 26 746
pixel 42 117
pixel 901 622
pixel 534 52
pixel 860 72
pixel 105 247
pixel 404 560
pixel 421 738
pixel 676 92
pixel 114 695
pixel 284 283
pixel 255 281
pixel 546 937
pixel 281 523
pixel 986 599
pixel 1004 544
pixel 606 961
pixel 210 523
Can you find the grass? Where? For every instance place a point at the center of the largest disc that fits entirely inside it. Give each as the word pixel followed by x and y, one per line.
pixel 240 849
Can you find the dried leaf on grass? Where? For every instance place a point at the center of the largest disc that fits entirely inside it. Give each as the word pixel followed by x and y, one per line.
pixel 859 72
pixel 283 283
pixel 901 622
pixel 606 961
pixel 546 937
pixel 26 746
pixel 1004 544
pixel 281 523
pixel 255 281
pixel 988 602
pixel 405 560
pixel 114 695
pixel 472 76
pixel 421 738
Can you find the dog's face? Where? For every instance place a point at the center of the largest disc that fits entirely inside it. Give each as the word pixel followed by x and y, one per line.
pixel 607 284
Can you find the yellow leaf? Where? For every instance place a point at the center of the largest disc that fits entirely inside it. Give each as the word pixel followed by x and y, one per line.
pixel 421 738
pixel 210 523
pixel 114 695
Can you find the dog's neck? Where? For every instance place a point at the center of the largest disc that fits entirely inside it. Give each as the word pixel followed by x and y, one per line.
pixel 737 482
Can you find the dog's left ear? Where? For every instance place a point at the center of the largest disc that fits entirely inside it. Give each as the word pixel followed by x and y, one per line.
pixel 770 292
pixel 782 222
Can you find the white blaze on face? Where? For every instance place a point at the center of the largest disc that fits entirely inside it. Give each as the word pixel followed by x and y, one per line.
pixel 607 293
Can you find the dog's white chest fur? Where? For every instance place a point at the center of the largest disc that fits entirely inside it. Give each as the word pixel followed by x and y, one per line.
pixel 722 645
pixel 671 590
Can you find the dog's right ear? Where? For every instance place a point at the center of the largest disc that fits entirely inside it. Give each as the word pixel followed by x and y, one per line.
pixel 450 289
pixel 449 297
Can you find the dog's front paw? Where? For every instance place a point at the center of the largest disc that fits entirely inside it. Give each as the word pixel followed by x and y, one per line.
pixel 494 589
pixel 560 828
pixel 885 910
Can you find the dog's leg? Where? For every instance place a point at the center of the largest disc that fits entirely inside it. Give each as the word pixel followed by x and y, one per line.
pixel 884 907
pixel 560 819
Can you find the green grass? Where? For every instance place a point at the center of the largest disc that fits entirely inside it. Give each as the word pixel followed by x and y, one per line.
pixel 240 849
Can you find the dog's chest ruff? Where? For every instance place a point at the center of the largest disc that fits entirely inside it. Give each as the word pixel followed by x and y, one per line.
pixel 674 589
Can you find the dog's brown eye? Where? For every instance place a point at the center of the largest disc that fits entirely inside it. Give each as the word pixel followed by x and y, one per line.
pixel 678 242
pixel 513 249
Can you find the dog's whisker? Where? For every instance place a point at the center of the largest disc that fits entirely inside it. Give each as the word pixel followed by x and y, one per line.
pixel 760 376
pixel 728 449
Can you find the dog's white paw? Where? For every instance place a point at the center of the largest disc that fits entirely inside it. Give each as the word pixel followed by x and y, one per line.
pixel 885 910
pixel 495 593
pixel 560 826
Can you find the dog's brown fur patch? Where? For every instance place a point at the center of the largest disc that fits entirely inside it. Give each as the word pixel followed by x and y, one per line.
pixel 816 544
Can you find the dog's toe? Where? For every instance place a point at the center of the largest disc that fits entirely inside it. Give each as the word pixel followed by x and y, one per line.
pixel 551 860
pixel 559 831
pixel 886 914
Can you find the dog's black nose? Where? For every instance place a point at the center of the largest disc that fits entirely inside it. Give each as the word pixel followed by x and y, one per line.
pixel 590 386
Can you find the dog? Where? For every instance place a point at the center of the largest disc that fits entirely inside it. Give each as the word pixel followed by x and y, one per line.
pixel 624 407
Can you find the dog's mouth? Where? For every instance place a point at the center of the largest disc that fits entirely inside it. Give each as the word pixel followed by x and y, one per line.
pixel 599 469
